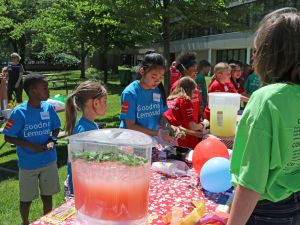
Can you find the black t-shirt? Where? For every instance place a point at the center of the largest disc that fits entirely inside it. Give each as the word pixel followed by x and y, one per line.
pixel 14 72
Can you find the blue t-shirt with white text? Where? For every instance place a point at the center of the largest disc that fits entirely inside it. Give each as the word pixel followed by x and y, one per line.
pixel 143 106
pixel 33 125
pixel 84 125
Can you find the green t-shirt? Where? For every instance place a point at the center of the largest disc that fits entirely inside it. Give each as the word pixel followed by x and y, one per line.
pixel 201 83
pixel 252 83
pixel 266 152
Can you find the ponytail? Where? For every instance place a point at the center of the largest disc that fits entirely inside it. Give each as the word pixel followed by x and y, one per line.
pixel 71 114
pixel 163 93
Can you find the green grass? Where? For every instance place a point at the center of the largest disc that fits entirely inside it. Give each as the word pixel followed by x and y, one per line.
pixel 9 189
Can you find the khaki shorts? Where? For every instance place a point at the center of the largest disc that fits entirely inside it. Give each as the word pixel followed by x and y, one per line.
pixel 45 178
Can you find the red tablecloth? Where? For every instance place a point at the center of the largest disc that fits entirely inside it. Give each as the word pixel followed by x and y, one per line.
pixel 164 194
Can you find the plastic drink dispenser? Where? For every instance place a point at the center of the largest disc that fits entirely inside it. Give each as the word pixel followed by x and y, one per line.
pixel 223 113
pixel 110 170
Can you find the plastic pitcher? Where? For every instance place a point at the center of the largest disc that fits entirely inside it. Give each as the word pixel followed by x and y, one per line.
pixel 223 113
pixel 110 170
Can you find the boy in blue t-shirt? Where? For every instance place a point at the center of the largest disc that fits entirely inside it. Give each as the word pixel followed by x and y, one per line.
pixel 33 127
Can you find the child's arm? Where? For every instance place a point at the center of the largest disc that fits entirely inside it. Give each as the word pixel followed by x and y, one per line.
pixel 25 144
pixel 195 133
pixel 52 140
pixel 21 71
pixel 243 205
pixel 131 124
pixel 19 80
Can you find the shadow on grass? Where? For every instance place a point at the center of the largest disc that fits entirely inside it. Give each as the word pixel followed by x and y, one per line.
pixel 114 88
pixel 9 169
pixel 7 153
pixel 62 155
pixel 110 122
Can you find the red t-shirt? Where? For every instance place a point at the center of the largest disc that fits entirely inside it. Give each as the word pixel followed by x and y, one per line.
pixel 239 87
pixel 217 86
pixel 180 113
pixel 174 76
pixel 196 100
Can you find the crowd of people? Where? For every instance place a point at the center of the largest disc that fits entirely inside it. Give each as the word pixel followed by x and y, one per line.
pixel 265 161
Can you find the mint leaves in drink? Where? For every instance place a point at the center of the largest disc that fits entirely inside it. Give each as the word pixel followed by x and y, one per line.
pixel 111 156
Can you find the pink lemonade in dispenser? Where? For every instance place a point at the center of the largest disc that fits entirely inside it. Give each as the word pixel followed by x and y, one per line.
pixel 111 186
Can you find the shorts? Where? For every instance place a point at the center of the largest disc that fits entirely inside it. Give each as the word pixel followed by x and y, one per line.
pixel 284 212
pixel 44 179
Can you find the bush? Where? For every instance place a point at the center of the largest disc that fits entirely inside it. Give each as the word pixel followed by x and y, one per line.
pixel 59 59
pixel 65 60
pixel 93 73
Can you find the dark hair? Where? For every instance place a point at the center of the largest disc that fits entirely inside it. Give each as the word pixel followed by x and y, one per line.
pixel 236 62
pixel 153 60
pixel 186 60
pixel 31 80
pixel 90 89
pixel 203 63
pixel 233 67
pixel 277 47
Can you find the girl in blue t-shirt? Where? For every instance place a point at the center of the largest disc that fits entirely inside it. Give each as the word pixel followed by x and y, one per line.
pixel 90 98
pixel 143 102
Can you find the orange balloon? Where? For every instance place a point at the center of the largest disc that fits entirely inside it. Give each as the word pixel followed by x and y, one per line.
pixel 207 149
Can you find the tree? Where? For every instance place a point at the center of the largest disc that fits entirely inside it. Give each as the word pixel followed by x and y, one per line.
pixel 67 27
pixel 88 25
pixel 15 22
pixel 170 16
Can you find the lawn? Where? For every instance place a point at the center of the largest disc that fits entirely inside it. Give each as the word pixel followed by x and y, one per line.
pixel 9 189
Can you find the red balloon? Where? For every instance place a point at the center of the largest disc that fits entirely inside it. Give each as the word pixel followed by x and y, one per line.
pixel 207 149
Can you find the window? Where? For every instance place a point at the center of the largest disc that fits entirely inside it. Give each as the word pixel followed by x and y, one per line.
pixel 228 54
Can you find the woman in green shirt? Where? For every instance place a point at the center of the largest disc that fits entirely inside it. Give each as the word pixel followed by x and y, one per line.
pixel 265 164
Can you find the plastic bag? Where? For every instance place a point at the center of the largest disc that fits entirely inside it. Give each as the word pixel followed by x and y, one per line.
pixel 58 105
pixel 172 168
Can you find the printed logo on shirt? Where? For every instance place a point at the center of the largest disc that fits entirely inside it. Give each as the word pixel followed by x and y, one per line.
pixel 226 88
pixel 9 124
pixel 45 115
pixel 37 129
pixel 189 112
pixel 125 106
pixel 147 111
pixel 156 97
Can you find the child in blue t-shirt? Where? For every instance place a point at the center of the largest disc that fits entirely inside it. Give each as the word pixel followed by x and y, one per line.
pixel 90 98
pixel 33 127
pixel 143 102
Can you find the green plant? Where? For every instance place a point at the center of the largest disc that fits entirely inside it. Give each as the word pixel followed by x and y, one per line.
pixel 93 73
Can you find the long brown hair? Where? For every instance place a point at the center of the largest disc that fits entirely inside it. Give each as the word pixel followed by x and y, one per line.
pixel 184 88
pixel 277 47
pixel 89 89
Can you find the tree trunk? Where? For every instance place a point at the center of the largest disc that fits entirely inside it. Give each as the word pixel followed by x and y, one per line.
pixel 83 54
pixel 105 69
pixel 166 44
pixel 22 50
